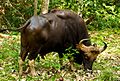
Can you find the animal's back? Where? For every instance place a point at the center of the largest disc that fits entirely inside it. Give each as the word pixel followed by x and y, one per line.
pixel 65 31
pixel 75 26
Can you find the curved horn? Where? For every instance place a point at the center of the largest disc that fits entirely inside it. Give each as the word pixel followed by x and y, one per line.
pixel 102 49
pixel 81 46
pixel 83 41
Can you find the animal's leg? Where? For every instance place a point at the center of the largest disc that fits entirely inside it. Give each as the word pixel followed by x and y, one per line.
pixel 32 67
pixel 20 66
pixel 23 54
pixel 31 58
pixel 72 64
pixel 61 60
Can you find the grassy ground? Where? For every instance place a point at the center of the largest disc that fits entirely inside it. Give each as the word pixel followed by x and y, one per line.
pixel 105 68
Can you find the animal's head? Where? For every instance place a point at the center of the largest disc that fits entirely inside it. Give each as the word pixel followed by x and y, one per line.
pixel 90 53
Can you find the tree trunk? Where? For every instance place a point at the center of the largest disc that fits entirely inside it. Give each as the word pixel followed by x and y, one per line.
pixel 35 7
pixel 45 4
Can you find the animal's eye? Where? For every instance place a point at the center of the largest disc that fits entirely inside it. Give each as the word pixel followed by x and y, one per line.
pixel 86 57
pixel 95 52
pixel 92 51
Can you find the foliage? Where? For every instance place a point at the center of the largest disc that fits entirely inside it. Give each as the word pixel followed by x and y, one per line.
pixel 105 68
pixel 14 14
pixel 106 13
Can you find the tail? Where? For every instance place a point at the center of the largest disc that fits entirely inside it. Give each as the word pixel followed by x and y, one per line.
pixel 17 29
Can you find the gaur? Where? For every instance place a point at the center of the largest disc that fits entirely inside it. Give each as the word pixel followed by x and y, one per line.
pixel 54 32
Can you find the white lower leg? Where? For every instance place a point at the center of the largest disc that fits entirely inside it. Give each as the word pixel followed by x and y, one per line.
pixel 20 66
pixel 32 67
pixel 72 66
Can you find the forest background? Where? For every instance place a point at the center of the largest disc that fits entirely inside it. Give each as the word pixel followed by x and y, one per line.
pixel 14 13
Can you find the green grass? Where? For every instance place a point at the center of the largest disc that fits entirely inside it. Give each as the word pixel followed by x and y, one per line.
pixel 105 68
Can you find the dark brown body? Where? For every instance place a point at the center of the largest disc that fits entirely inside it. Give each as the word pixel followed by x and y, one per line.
pixel 53 32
